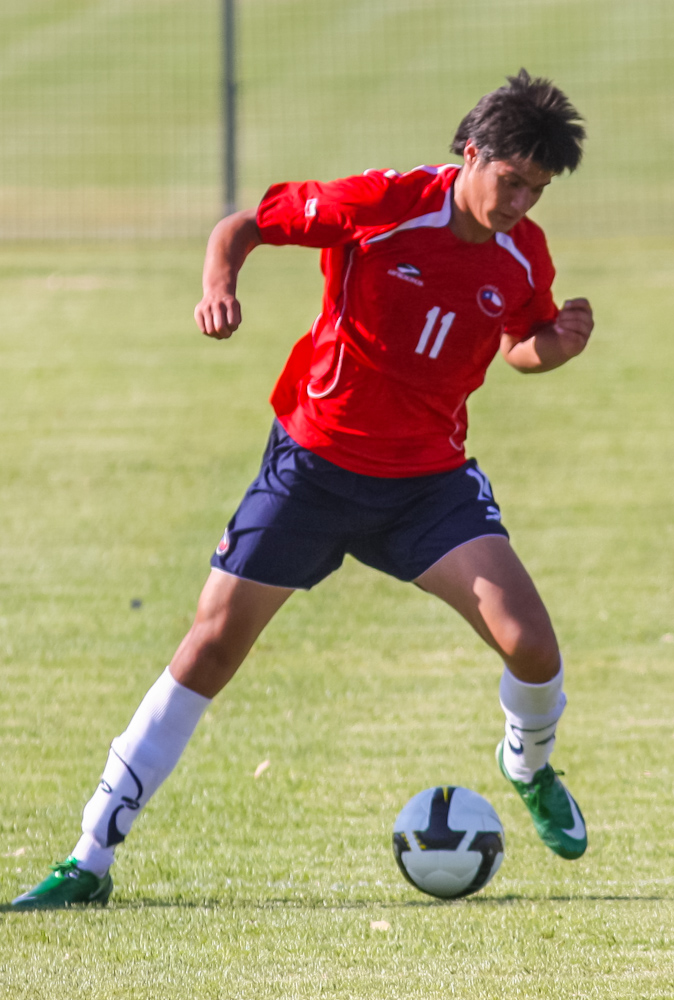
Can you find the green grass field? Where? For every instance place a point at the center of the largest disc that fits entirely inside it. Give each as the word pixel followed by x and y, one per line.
pixel 126 440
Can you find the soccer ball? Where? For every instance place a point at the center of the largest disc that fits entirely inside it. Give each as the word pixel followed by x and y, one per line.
pixel 448 842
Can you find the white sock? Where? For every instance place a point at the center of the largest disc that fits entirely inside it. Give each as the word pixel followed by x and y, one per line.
pixel 139 761
pixel 532 712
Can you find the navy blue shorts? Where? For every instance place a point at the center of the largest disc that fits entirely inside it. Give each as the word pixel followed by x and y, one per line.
pixel 302 514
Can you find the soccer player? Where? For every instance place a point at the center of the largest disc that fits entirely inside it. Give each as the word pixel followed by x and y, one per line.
pixel 427 275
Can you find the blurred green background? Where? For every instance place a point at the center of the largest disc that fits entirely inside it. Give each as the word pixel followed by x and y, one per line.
pixel 111 119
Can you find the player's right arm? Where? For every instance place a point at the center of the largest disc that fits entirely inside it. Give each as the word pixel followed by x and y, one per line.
pixel 311 214
pixel 218 314
pixel 329 214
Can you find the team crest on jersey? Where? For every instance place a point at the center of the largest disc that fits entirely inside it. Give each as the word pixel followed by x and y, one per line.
pixel 408 272
pixel 223 544
pixel 491 301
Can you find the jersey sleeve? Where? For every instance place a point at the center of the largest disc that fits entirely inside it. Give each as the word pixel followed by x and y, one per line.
pixel 540 307
pixel 323 215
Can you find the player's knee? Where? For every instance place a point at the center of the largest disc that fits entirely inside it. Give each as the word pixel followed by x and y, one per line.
pixel 207 644
pixel 531 653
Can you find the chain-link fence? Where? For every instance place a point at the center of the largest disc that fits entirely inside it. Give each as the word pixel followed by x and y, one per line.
pixel 111 110
pixel 109 117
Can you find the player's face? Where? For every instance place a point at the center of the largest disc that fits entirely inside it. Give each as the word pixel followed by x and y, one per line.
pixel 498 193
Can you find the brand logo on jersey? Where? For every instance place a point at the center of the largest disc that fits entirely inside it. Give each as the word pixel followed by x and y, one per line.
pixel 491 301
pixel 223 544
pixel 408 272
pixel 311 208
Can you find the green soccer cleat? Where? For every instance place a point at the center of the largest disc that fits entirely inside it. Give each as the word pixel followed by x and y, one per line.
pixel 558 820
pixel 66 885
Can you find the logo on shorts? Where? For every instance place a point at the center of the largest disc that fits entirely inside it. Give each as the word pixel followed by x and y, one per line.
pixel 484 494
pixel 223 544
pixel 491 301
pixel 408 272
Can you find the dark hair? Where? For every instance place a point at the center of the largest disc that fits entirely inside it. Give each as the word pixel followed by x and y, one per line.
pixel 531 119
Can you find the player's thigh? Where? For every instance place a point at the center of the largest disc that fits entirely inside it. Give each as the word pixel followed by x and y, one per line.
pixel 231 614
pixel 485 581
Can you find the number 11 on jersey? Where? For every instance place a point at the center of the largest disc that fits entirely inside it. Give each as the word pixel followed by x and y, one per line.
pixel 431 320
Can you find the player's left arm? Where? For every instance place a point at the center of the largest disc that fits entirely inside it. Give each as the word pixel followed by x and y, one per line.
pixel 552 344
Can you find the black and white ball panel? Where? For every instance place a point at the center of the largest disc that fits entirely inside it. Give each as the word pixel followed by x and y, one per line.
pixel 448 842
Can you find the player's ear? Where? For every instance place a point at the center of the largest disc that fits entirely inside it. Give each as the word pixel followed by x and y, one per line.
pixel 470 153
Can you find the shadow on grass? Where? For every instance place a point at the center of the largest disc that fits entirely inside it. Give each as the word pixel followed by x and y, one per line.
pixel 356 904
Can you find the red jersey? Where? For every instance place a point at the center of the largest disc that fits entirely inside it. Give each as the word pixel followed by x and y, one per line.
pixel 411 319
